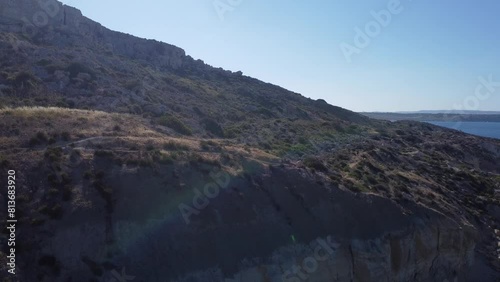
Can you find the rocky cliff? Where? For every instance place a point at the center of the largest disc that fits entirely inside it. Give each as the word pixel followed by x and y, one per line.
pixel 280 227
pixel 119 194
pixel 65 26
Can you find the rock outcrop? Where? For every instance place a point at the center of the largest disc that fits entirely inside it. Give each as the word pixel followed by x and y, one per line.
pixel 276 225
pixel 55 22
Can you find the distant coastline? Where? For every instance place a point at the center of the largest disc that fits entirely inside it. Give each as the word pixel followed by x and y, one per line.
pixel 484 129
pixel 448 117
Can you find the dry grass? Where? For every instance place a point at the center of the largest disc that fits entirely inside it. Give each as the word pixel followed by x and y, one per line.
pixel 37 128
pixel 19 125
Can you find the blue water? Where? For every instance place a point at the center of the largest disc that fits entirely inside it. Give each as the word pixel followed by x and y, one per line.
pixel 486 129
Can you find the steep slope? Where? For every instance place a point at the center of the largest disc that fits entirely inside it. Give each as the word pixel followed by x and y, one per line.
pixel 74 62
pixel 158 166
pixel 100 192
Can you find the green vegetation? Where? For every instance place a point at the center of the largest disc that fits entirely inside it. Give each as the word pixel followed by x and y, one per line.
pixel 23 80
pixel 103 153
pixel 132 84
pixel 51 264
pixel 213 127
pixel 315 164
pixel 42 138
pixel 162 158
pixel 175 124
pixel 66 136
pixel 44 62
pixel 39 138
pixel 209 145
pixel 197 159
pixel 54 212
pixel 175 146
pixel 76 68
pixel 150 146
pixel 54 154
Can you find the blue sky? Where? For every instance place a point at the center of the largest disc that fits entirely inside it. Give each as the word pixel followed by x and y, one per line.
pixel 429 55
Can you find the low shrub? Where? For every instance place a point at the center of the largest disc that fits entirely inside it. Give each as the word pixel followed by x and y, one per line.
pixel 208 145
pixel 54 212
pixel 150 146
pixel 103 153
pixel 175 146
pixel 42 136
pixel 163 158
pixel 51 263
pixel 23 80
pixel 175 124
pixel 44 62
pixel 66 136
pixel 132 84
pixel 54 154
pixel 315 164
pixel 75 68
pixel 213 127
pixel 33 142
pixel 88 174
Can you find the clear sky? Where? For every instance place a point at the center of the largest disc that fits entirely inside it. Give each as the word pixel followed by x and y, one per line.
pixel 428 56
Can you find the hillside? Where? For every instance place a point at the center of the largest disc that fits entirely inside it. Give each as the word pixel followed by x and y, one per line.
pixel 132 157
pixel 78 63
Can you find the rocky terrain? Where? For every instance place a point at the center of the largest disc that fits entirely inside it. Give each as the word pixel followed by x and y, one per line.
pixel 136 162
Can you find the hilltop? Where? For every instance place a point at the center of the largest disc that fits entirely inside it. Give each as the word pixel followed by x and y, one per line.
pixel 74 62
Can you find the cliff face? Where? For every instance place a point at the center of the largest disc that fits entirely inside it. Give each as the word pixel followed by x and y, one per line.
pixel 117 192
pixel 282 226
pixel 288 228
pixel 63 25
pixel 267 224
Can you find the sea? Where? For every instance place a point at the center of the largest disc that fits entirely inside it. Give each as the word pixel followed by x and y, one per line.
pixel 485 129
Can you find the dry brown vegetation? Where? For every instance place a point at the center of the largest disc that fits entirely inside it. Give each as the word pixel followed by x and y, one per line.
pixel 31 130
